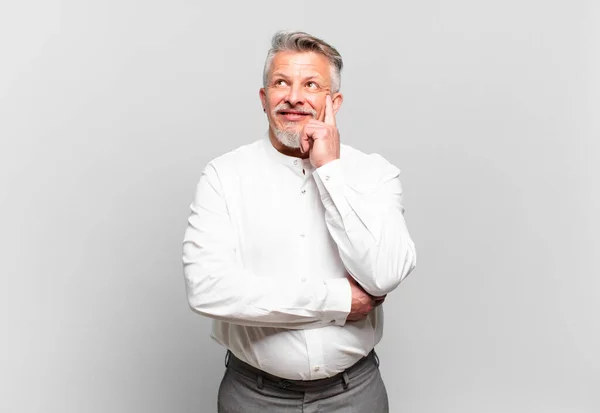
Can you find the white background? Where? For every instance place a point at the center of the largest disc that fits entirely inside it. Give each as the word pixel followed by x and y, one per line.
pixel 109 110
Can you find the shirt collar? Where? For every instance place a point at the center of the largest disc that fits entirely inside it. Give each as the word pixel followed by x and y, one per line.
pixel 296 164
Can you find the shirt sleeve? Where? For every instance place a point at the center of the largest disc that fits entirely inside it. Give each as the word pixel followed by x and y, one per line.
pixel 219 287
pixel 366 221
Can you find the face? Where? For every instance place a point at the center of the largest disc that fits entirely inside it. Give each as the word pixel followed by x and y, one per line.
pixel 295 93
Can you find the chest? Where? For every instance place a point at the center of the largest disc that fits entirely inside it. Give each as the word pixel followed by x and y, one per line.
pixel 279 221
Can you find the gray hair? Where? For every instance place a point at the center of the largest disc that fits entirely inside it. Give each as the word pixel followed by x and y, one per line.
pixel 304 42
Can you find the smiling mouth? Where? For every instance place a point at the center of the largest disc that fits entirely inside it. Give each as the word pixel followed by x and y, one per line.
pixel 293 116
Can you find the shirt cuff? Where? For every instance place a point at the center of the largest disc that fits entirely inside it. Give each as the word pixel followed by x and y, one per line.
pixel 339 301
pixel 330 182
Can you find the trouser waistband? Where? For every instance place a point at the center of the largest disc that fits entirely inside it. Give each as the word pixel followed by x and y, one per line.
pixel 262 377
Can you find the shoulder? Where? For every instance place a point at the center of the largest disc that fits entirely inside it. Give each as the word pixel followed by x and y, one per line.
pixel 231 166
pixel 238 157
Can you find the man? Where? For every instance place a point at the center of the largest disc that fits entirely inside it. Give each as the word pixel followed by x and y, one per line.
pixel 293 243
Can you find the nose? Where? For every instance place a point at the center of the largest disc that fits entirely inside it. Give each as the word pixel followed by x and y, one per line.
pixel 295 95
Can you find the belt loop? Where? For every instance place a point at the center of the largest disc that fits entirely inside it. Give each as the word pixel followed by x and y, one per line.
pixel 259 381
pixel 346 380
pixel 227 355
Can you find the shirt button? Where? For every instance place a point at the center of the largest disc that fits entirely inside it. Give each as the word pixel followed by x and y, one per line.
pixel 303 279
pixel 317 368
pixel 303 191
pixel 327 177
pixel 302 235
pixel 296 162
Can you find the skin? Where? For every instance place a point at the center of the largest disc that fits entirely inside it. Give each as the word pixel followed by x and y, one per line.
pixel 302 82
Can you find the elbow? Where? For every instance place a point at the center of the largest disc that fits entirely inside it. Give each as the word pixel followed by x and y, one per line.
pixel 198 302
pixel 384 286
pixel 208 295
pixel 390 274
pixel 204 304
pixel 198 290
pixel 198 281
pixel 197 298
pixel 408 262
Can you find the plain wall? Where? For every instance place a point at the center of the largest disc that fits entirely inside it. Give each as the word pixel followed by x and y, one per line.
pixel 109 110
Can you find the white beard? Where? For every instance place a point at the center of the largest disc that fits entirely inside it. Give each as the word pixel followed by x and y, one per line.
pixel 289 138
pixel 290 135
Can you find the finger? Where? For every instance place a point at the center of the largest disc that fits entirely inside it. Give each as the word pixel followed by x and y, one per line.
pixel 304 142
pixel 329 115
pixel 379 300
pixel 305 138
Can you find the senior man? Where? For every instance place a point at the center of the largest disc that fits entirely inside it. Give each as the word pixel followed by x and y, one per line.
pixel 292 244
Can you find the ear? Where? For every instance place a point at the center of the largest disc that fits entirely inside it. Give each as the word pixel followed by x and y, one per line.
pixel 337 99
pixel 263 98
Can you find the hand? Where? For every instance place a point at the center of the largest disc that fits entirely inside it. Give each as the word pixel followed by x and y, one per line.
pixel 362 302
pixel 322 139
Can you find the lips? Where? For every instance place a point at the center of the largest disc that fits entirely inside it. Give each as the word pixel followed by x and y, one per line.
pixel 292 112
pixel 292 115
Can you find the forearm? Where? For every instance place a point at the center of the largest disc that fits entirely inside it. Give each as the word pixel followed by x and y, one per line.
pixel 368 228
pixel 379 261
pixel 230 293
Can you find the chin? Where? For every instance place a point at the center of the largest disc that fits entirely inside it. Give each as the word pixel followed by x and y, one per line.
pixel 289 138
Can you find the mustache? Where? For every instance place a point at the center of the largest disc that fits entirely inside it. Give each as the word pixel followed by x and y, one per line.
pixel 283 107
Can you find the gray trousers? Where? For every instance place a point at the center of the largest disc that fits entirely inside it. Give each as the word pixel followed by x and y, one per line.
pixel 245 389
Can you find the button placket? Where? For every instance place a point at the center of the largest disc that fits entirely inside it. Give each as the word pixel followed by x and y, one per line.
pixel 303 229
pixel 316 358
pixel 306 199
pixel 299 167
pixel 305 204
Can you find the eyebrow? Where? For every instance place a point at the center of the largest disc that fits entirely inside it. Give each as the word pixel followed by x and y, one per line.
pixel 282 75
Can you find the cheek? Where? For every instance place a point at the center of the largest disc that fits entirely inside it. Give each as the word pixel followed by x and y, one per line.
pixel 316 102
pixel 274 99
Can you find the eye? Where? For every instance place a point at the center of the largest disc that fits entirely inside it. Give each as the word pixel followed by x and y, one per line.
pixel 312 85
pixel 279 82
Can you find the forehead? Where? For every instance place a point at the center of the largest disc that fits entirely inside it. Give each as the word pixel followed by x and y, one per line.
pixel 301 64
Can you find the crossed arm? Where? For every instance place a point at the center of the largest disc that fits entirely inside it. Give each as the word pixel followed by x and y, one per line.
pixel 369 230
pixel 219 287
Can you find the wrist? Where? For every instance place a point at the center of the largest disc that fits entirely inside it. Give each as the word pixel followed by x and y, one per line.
pixel 324 162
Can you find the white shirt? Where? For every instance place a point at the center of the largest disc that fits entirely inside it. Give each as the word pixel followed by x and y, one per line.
pixel 268 245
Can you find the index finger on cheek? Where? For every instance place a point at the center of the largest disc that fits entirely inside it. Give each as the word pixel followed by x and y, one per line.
pixel 329 115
